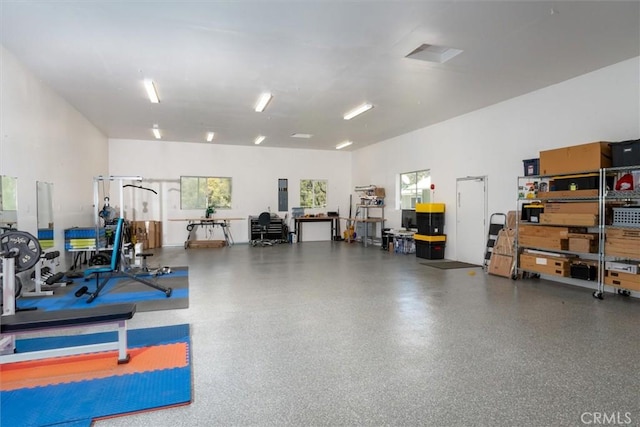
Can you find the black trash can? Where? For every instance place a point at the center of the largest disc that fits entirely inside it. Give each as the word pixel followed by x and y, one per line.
pixel 387 238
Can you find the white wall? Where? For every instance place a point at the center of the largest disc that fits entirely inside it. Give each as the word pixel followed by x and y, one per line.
pixel 600 106
pixel 254 171
pixel 43 138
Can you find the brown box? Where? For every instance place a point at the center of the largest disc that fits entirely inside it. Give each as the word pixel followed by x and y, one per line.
pixel 572 207
pixel 547 231
pixel 567 194
pixel 207 243
pixel 624 248
pixel 630 277
pixel 139 232
pixel 552 243
pixel 586 220
pixel 378 192
pixel 151 234
pixel 545 265
pixel 158 236
pixel 500 265
pixel 623 280
pixel 585 243
pixel 505 242
pixel 511 219
pixel 576 158
pixel 149 231
pixel 624 233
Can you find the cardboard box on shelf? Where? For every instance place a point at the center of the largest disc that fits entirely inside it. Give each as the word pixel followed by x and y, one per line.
pixel 500 265
pixel 576 158
pixel 545 265
pixel 585 243
pixel 622 280
pixel 624 248
pixel 545 195
pixel 548 231
pixel 572 207
pixel 551 243
pixel 624 233
pixel 578 219
pixel 630 277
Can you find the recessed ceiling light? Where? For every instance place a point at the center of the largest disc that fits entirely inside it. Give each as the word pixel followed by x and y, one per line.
pixel 259 139
pixel 264 99
pixel 301 135
pixel 357 111
pixel 156 132
pixel 152 93
pixel 210 136
pixel 432 53
pixel 343 144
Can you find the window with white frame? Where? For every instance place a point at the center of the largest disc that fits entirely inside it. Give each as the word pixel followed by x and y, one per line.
pixel 415 188
pixel 202 192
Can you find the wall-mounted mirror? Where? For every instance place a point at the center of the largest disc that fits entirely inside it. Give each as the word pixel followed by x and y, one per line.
pixel 44 192
pixel 8 202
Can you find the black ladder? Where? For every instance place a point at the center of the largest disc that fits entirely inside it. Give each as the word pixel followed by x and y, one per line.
pixel 497 222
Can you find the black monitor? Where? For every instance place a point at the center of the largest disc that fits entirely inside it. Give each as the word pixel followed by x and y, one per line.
pixel 409 219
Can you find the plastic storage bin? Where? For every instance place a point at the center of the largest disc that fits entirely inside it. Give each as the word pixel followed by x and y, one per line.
pixel 531 167
pixel 430 247
pixel 531 212
pixel 626 217
pixel 430 218
pixel 626 153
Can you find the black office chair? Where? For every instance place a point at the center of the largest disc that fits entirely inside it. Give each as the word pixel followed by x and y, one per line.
pixel 263 221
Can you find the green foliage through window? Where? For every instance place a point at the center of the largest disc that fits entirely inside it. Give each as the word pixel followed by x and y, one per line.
pixel 201 192
pixel 313 193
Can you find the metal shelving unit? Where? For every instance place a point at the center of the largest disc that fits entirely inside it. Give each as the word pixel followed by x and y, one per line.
pixel 605 198
pixel 371 198
pixel 555 196
pixel 608 196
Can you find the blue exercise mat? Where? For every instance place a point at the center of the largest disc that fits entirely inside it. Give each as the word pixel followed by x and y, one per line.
pixel 77 404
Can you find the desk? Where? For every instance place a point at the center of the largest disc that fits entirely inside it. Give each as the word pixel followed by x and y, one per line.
pixel 223 223
pixel 334 220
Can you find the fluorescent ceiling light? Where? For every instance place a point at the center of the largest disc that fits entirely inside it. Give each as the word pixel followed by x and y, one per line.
pixel 263 101
pixel 151 91
pixel 210 136
pixel 357 111
pixel 259 139
pixel 343 144
pixel 156 132
pixel 301 135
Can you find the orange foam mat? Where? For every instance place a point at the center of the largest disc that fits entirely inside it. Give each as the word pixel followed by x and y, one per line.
pixel 59 370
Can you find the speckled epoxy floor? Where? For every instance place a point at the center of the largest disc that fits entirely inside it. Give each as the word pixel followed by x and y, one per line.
pixel 335 334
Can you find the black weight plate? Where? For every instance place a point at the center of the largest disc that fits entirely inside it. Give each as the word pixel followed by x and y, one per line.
pixel 99 260
pixel 27 245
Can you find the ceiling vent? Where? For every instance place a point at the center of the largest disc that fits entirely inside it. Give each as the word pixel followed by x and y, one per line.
pixel 431 53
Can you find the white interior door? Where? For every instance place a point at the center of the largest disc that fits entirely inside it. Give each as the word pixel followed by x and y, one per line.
pixel 471 218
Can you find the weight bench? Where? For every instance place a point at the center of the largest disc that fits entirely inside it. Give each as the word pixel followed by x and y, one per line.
pixel 22 323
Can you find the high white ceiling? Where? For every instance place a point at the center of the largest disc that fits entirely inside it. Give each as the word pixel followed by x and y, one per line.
pixel 212 59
